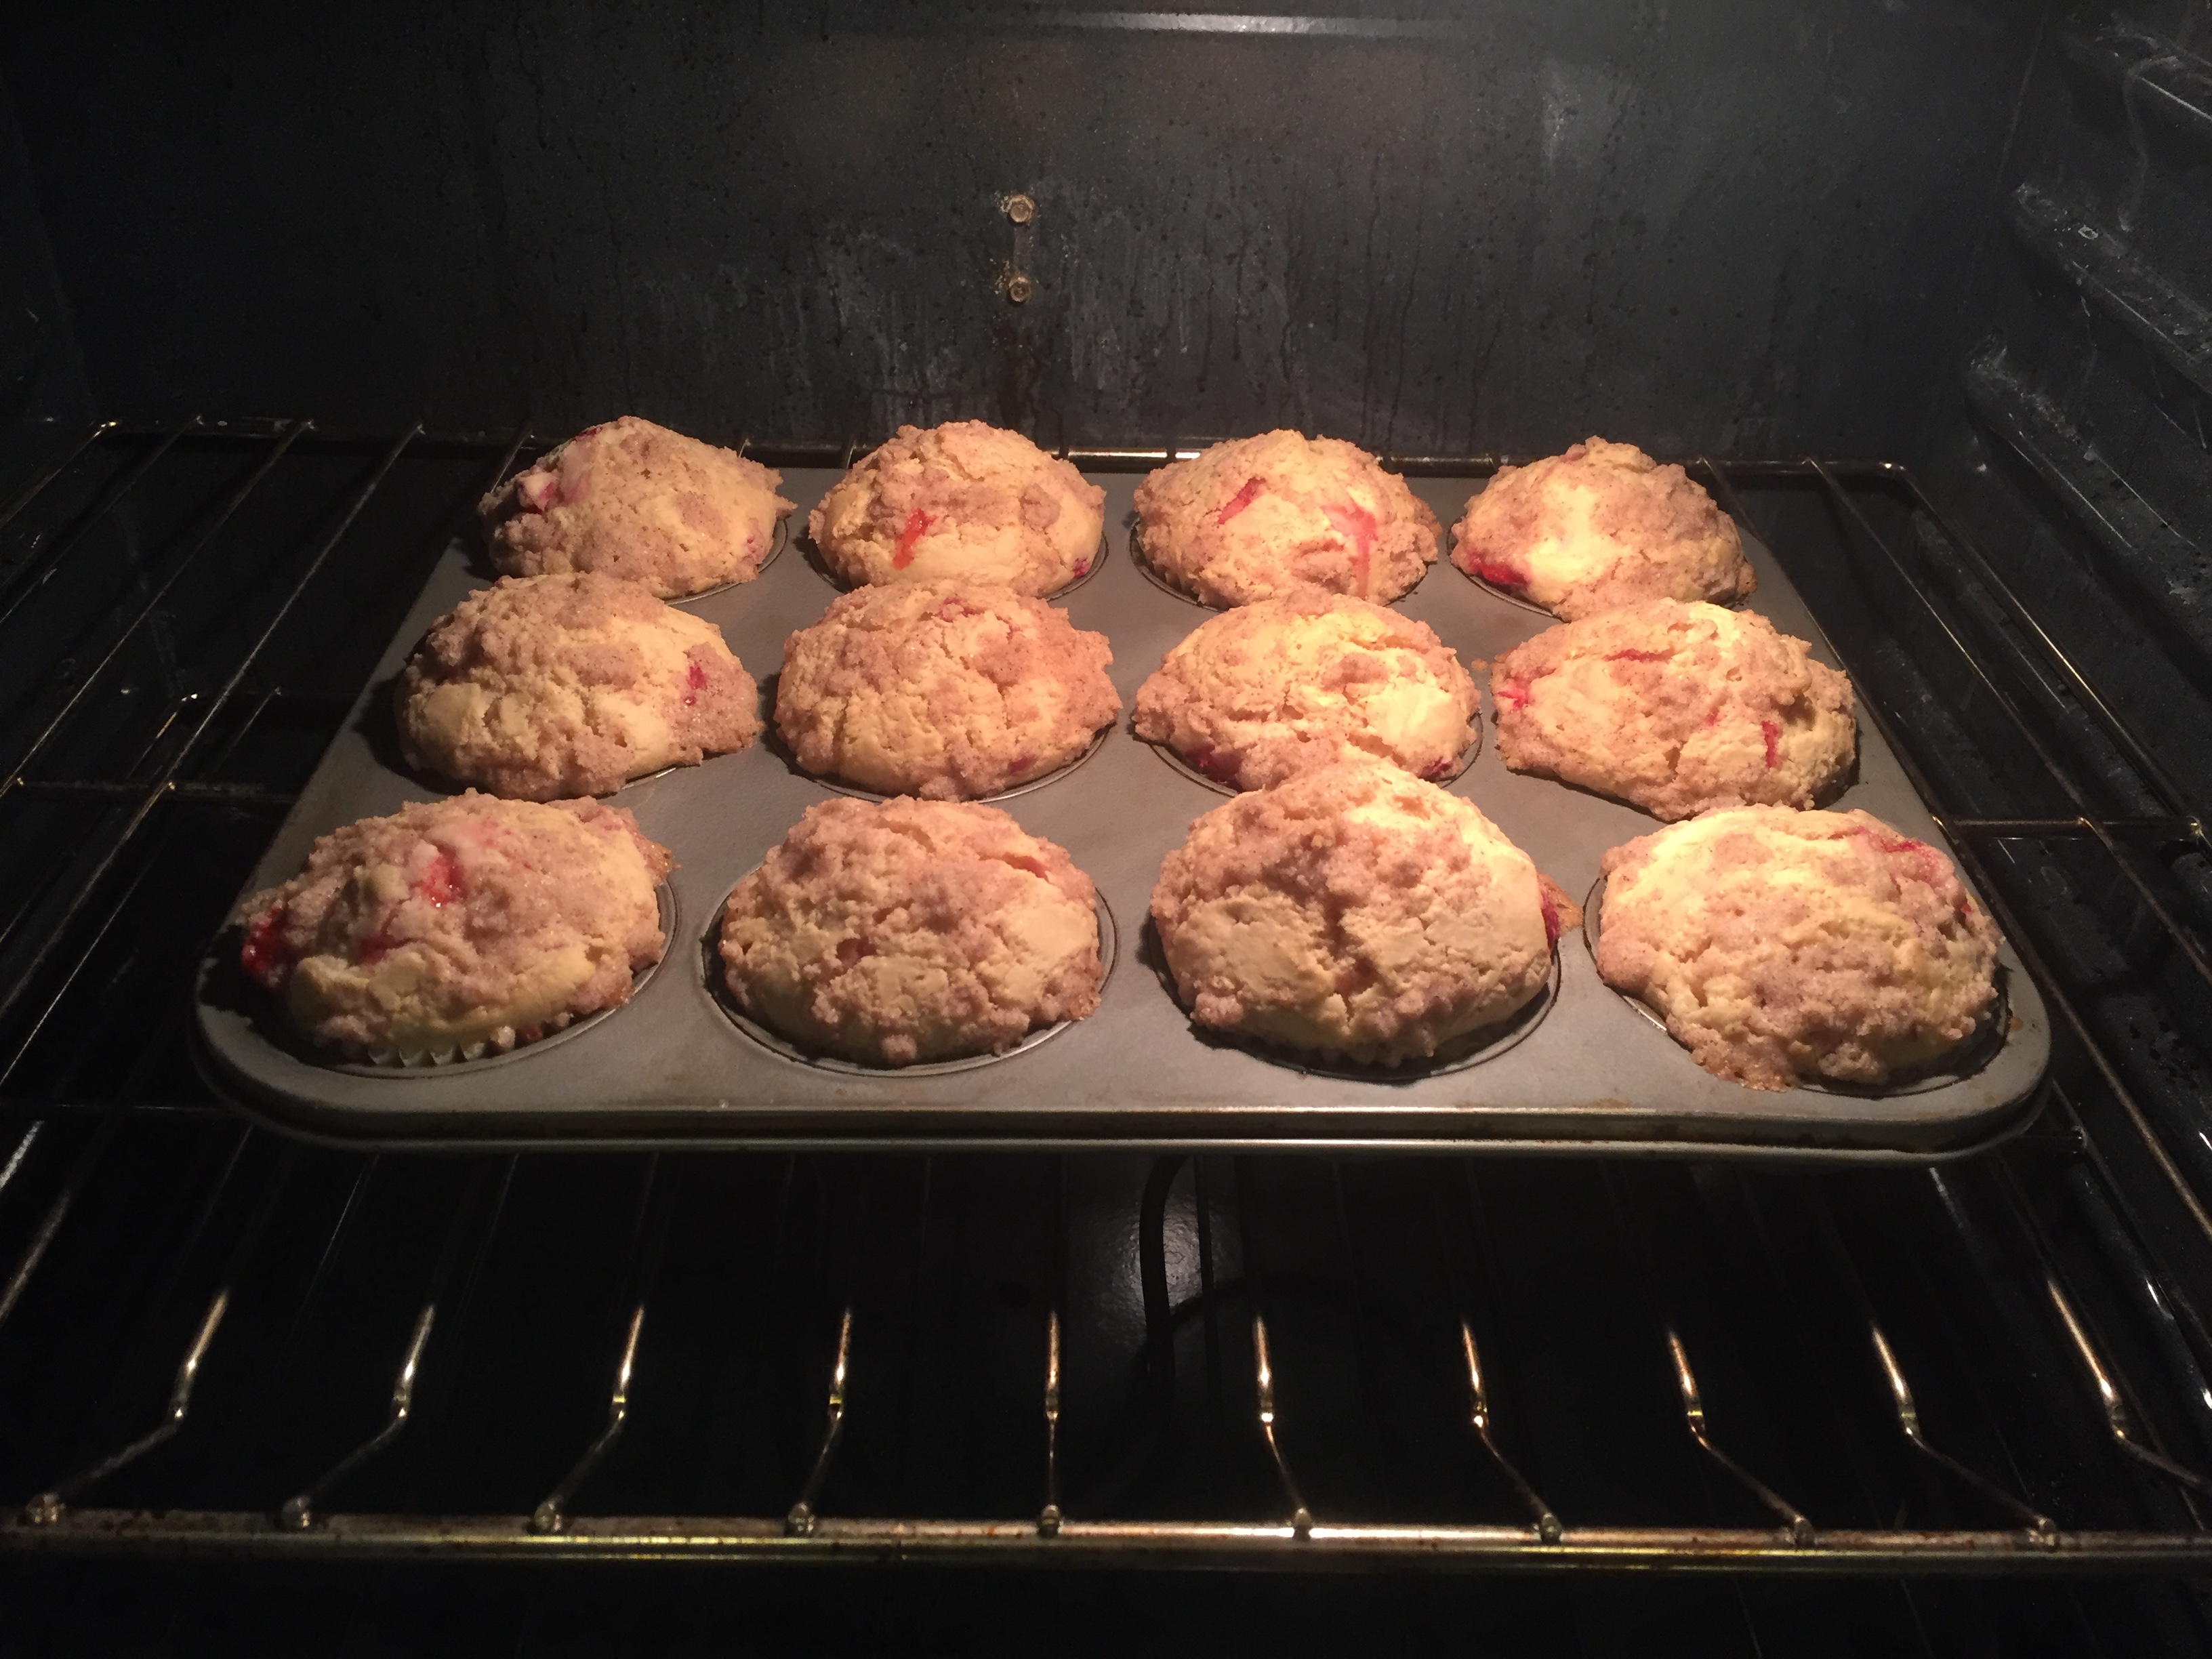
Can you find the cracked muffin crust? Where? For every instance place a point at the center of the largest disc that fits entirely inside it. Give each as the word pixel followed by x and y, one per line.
pixel 1779 944
pixel 540 687
pixel 944 689
pixel 1599 527
pixel 906 930
pixel 961 502
pixel 1254 518
pixel 631 498
pixel 461 927
pixel 1280 686
pixel 1676 709
pixel 1357 911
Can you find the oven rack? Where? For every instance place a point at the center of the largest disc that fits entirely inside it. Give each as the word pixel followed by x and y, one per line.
pixel 197 713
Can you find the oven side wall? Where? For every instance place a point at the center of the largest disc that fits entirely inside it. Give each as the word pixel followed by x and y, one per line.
pixel 42 378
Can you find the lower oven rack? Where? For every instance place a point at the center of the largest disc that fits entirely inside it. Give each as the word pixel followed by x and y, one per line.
pixel 174 1385
pixel 1979 1524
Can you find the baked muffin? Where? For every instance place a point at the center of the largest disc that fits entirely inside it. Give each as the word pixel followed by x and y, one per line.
pixel 1255 517
pixel 459 927
pixel 1601 526
pixel 1280 685
pixel 1354 910
pixel 962 501
pixel 1779 944
pixel 904 930
pixel 1677 709
pixel 634 500
pixel 540 687
pixel 942 690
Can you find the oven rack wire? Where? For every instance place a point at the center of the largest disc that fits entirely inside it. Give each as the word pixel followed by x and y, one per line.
pixel 108 797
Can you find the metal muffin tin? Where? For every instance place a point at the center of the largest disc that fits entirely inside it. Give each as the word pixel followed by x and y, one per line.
pixel 672 1067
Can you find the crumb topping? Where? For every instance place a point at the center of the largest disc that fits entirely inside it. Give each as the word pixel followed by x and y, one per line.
pixel 943 690
pixel 453 922
pixel 541 687
pixel 1676 708
pixel 1778 945
pixel 1354 910
pixel 631 498
pixel 1281 685
pixel 961 502
pixel 1254 518
pixel 909 930
pixel 1601 526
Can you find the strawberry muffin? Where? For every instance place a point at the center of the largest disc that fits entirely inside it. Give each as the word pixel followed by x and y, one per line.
pixel 942 690
pixel 1280 685
pixel 1676 709
pixel 901 930
pixel 541 687
pixel 1256 517
pixel 634 500
pixel 457 928
pixel 1602 526
pixel 1779 944
pixel 1355 911
pixel 962 501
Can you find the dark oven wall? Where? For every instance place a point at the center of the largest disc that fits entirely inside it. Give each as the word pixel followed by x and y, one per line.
pixel 1741 227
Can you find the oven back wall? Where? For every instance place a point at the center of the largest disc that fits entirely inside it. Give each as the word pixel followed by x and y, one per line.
pixel 1741 227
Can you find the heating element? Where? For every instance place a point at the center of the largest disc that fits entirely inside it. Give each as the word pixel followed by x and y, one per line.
pixel 215 1340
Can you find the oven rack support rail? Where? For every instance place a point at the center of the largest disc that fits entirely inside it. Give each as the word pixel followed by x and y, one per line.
pixel 49 947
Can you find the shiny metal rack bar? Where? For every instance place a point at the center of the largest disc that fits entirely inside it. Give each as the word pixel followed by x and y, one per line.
pixel 298 1512
pixel 1799 1529
pixel 802 1521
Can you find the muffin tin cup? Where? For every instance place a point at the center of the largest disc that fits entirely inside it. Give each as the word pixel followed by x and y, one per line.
pixel 716 983
pixel 1592 1075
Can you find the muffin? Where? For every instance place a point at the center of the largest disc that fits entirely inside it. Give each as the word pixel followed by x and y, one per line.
pixel 1356 911
pixel 1601 526
pixel 906 930
pixel 962 501
pixel 1677 709
pixel 1280 686
pixel 942 690
pixel 540 687
pixel 1779 944
pixel 459 927
pixel 1254 518
pixel 634 500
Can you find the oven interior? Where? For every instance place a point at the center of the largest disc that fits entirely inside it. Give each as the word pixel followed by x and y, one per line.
pixel 1923 290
